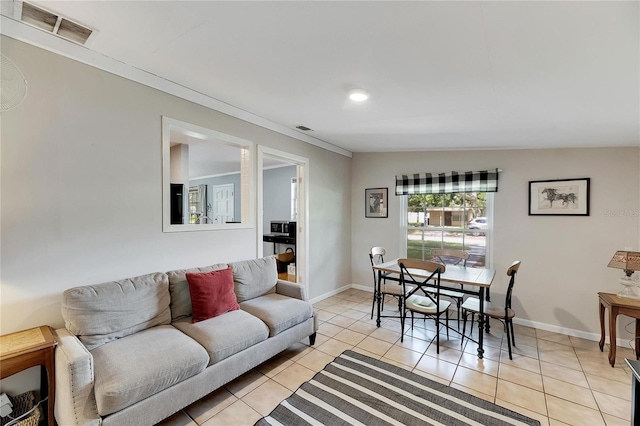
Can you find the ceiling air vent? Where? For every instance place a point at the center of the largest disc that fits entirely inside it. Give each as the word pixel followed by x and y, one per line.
pixel 304 128
pixel 38 17
pixel 55 24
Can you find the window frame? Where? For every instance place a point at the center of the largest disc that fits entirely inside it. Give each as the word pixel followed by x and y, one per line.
pixel 403 208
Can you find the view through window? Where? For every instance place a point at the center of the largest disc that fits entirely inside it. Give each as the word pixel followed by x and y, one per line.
pixel 452 221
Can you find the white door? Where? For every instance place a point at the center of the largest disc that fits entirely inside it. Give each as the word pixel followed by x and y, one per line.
pixel 223 201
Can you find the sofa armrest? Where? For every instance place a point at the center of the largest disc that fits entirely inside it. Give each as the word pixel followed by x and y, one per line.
pixel 75 402
pixel 287 288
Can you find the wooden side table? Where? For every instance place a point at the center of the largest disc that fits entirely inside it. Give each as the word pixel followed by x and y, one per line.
pixel 30 348
pixel 618 306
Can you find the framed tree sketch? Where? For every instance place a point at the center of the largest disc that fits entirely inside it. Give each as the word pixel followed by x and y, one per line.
pixel 376 202
pixel 568 197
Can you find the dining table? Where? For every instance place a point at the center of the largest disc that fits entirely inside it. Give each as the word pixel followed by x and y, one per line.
pixel 479 279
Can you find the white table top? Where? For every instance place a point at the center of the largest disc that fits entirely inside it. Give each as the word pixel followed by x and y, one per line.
pixel 457 274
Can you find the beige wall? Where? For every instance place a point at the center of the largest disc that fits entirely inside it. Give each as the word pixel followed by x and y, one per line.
pixel 564 259
pixel 82 197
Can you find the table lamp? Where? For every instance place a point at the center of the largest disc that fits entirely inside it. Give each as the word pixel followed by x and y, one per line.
pixel 630 262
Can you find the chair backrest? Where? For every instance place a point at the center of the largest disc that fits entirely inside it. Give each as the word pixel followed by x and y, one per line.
pixel 421 272
pixel 511 272
pixel 450 256
pixel 376 256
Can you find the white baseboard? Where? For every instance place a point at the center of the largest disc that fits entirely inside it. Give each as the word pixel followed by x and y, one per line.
pixel 527 323
pixel 362 287
pixel 572 332
pixel 332 293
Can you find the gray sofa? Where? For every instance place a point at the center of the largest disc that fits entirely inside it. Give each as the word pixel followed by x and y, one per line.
pixel 130 355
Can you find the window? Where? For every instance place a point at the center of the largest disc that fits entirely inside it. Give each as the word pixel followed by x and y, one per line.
pixel 454 221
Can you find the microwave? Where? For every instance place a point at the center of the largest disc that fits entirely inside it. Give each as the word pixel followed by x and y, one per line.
pixel 283 228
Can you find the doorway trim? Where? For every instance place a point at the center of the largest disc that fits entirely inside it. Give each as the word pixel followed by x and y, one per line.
pixel 302 235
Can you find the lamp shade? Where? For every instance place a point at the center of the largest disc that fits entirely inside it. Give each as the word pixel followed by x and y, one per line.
pixel 627 260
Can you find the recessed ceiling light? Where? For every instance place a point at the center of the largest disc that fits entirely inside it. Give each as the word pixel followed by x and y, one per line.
pixel 358 95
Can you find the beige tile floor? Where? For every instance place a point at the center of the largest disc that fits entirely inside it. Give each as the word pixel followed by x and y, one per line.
pixel 555 378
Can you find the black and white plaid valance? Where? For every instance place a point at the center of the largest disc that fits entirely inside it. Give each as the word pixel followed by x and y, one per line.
pixel 447 183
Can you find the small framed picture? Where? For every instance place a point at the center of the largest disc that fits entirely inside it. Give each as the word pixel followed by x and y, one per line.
pixel 376 202
pixel 568 197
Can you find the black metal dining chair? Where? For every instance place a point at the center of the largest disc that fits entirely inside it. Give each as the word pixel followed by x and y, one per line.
pixel 376 256
pixel 491 310
pixel 452 257
pixel 424 275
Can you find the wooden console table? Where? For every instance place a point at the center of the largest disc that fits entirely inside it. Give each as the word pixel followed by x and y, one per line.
pixel 618 306
pixel 30 348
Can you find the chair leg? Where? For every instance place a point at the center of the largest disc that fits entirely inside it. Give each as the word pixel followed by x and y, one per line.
pixel 373 304
pixel 411 320
pixel 513 335
pixel 447 322
pixel 437 335
pixel 464 326
pixel 403 316
pixel 508 340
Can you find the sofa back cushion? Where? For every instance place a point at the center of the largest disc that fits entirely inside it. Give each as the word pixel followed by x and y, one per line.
pixel 179 289
pixel 254 278
pixel 100 313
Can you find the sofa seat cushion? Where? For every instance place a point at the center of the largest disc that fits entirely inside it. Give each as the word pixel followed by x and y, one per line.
pixel 225 335
pixel 278 312
pixel 138 366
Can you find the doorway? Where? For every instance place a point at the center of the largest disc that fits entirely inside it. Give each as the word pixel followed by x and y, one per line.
pixel 283 197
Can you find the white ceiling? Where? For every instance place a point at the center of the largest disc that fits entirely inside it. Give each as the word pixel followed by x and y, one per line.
pixel 442 75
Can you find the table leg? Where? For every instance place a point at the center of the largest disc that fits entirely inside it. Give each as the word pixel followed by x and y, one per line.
pixel 487 324
pixel 635 401
pixel 481 323
pixel 613 316
pixel 637 345
pixel 52 389
pixel 601 326
pixel 378 291
pixel 47 383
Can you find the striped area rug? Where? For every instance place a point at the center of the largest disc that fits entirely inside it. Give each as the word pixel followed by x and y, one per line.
pixel 355 389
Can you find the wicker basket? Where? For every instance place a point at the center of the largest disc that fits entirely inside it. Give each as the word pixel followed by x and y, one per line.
pixel 284 259
pixel 21 404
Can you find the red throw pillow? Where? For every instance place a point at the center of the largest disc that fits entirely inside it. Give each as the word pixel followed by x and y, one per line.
pixel 211 294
